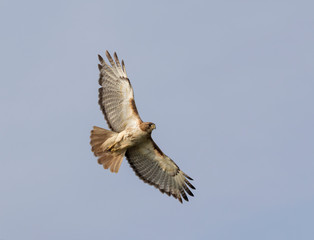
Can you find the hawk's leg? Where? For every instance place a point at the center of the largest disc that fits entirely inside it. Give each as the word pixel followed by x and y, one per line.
pixel 115 145
pixel 111 147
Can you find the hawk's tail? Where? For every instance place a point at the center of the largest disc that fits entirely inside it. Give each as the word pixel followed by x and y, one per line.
pixel 99 143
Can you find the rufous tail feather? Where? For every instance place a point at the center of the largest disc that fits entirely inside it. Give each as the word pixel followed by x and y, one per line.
pixel 106 157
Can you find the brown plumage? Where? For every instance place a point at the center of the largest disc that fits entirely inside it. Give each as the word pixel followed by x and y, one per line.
pixel 108 159
pixel 130 136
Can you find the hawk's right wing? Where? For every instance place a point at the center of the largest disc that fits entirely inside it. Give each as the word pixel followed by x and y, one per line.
pixel 116 98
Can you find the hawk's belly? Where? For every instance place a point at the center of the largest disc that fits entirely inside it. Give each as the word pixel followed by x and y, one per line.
pixel 129 137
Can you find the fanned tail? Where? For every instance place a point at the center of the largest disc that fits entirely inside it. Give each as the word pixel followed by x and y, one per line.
pixel 100 140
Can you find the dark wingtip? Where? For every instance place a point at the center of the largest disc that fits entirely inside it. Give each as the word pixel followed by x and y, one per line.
pixel 185 198
pixel 110 58
pixel 188 177
pixel 188 190
pixel 108 54
pixel 100 58
pixel 116 59
pixel 99 67
pixel 189 184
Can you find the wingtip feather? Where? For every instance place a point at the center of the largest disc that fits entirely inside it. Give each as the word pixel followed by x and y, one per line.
pixel 123 66
pixel 110 58
pixel 185 197
pixel 189 184
pixel 188 177
pixel 115 57
pixel 100 58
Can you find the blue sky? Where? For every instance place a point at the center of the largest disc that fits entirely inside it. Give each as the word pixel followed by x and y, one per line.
pixel 229 85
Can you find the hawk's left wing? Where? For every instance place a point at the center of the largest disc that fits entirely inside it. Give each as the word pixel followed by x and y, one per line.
pixel 155 168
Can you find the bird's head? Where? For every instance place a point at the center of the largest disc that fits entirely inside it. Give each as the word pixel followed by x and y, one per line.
pixel 148 126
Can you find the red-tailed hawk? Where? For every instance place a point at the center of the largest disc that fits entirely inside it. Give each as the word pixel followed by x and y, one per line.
pixel 130 136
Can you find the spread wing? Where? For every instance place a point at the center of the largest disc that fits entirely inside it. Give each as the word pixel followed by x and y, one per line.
pixel 116 98
pixel 155 168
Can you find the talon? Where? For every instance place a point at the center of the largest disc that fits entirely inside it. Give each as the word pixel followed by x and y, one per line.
pixel 110 148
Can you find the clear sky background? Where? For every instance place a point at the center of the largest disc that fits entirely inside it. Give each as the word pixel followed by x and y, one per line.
pixel 229 84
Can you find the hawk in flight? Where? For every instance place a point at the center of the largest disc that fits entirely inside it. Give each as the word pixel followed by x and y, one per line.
pixel 130 136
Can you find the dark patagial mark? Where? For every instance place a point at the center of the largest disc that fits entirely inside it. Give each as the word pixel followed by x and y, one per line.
pixel 157 148
pixel 133 106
